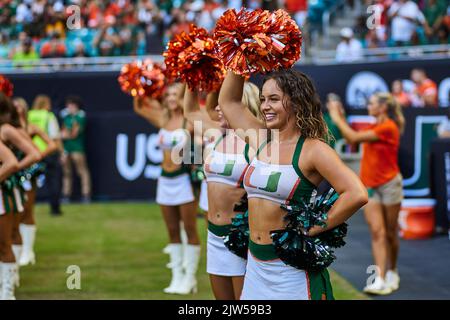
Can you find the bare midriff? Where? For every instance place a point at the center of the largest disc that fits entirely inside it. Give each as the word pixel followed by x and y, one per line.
pixel 221 201
pixel 264 217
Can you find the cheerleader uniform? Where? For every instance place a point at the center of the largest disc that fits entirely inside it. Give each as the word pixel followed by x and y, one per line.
pixel 11 199
pixel 229 169
pixel 267 277
pixel 174 188
pixel 13 190
pixel 203 202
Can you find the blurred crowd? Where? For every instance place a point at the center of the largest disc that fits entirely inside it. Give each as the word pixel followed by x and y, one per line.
pixel 392 23
pixel 33 29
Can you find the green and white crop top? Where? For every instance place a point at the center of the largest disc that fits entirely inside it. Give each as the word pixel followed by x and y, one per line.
pixel 283 184
pixel 170 139
pixel 226 168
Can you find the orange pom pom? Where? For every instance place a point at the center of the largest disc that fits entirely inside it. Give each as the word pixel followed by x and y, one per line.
pixel 6 86
pixel 142 78
pixel 191 57
pixel 257 41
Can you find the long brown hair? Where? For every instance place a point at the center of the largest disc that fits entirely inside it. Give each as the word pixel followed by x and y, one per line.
pixel 394 111
pixel 301 98
pixel 8 113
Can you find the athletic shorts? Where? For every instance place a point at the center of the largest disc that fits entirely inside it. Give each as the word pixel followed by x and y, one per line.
pixel 389 193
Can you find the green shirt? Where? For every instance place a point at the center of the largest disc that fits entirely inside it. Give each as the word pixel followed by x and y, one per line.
pixel 69 121
pixel 431 13
pixel 333 129
pixel 26 60
pixel 46 121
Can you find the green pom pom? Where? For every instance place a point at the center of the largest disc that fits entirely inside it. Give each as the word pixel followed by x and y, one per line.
pixel 237 239
pixel 304 252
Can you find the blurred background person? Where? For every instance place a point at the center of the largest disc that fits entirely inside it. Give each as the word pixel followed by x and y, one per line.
pixel 73 135
pixel 349 49
pixel 434 13
pixel 26 55
pixel 405 16
pixel 425 93
pixel 41 116
pixel 400 95
pixel 54 47
pixel 332 127
pixel 381 175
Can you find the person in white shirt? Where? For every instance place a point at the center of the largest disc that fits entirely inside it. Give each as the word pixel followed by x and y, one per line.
pixel 349 49
pixel 405 15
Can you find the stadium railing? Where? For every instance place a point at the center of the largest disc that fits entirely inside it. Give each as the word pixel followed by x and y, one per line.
pixel 115 63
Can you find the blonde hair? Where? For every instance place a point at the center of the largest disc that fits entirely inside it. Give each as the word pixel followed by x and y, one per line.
pixel 251 99
pixel 394 109
pixel 41 102
pixel 180 96
pixel 22 102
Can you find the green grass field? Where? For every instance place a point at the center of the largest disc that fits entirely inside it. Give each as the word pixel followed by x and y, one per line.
pixel 118 248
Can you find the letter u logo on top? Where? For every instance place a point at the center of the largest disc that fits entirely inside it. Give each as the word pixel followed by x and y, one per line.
pixel 271 184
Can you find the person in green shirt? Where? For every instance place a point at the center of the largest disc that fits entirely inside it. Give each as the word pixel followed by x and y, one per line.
pixel 434 13
pixel 25 56
pixel 73 135
pixel 332 127
pixel 41 116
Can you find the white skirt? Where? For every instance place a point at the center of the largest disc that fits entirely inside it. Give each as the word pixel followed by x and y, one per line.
pixel 174 191
pixel 274 280
pixel 220 261
pixel 203 203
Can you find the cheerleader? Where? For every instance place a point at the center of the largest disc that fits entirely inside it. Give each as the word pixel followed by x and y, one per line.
pixel 174 191
pixel 12 200
pixel 224 166
pixel 286 169
pixel 381 175
pixel 23 242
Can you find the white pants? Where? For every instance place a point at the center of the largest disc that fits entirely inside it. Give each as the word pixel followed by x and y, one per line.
pixel 221 261
pixel 203 203
pixel 174 191
pixel 274 280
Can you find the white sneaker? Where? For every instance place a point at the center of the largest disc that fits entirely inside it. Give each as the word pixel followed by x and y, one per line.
pixel 378 287
pixel 393 279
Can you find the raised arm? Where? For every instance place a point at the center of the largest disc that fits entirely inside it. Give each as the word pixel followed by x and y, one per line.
pixel 9 163
pixel 51 144
pixel 237 114
pixel 13 136
pixel 352 193
pixel 212 100
pixel 350 135
pixel 149 109
pixel 193 113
